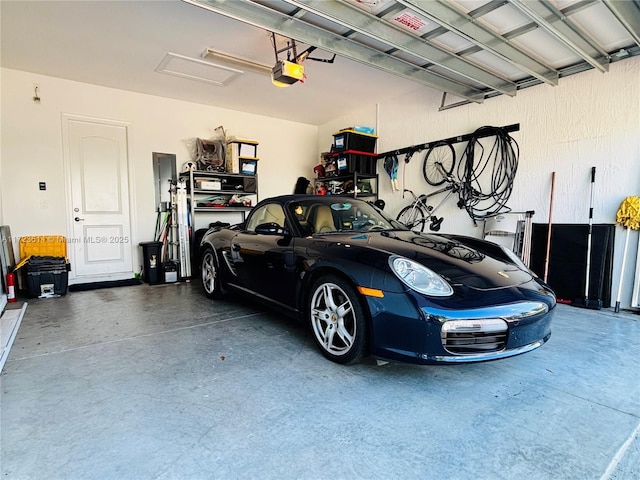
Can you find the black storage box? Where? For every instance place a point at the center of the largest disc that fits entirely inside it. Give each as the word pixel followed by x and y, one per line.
pixel 352 161
pixel 170 272
pixel 249 184
pixel 47 276
pixel 350 140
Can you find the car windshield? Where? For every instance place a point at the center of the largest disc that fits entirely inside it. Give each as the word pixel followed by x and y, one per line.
pixel 342 215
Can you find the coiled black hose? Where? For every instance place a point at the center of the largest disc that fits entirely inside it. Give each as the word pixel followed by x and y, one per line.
pixel 487 180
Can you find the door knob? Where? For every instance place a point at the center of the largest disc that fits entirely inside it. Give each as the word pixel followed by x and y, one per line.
pixel 78 219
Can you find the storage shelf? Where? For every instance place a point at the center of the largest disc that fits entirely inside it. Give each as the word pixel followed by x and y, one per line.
pixel 206 174
pixel 242 184
pixel 223 185
pixel 348 176
pixel 222 209
pixel 222 192
pixel 360 195
pixel 355 177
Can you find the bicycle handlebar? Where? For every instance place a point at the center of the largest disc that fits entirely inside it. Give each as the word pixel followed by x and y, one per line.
pixel 410 191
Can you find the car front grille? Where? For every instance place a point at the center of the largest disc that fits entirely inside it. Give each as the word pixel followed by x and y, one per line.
pixel 468 337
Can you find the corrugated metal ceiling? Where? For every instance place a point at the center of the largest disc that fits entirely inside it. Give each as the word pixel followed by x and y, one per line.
pixel 469 49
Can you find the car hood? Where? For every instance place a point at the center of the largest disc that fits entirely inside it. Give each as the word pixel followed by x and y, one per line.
pixel 473 263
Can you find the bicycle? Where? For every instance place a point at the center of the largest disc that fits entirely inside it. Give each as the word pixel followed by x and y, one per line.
pixel 438 163
pixel 415 216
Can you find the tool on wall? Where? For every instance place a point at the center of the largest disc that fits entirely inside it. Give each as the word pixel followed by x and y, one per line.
pixel 488 177
pixel 485 177
pixel 585 302
pixel 546 258
pixel 391 167
pixel 628 216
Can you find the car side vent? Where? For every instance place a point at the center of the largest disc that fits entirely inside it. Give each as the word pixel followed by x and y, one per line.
pixel 229 261
pixel 467 337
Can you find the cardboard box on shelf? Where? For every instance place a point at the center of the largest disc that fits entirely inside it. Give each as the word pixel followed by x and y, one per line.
pixel 240 149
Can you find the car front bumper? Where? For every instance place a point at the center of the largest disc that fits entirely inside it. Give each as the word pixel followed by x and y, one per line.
pixel 416 333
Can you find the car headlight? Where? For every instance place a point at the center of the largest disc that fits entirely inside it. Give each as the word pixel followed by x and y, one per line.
pixel 419 278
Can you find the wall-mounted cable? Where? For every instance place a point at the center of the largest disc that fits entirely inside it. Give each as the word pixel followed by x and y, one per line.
pixel 487 176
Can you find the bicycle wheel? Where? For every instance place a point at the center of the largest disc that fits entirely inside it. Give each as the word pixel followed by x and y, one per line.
pixel 413 217
pixel 438 163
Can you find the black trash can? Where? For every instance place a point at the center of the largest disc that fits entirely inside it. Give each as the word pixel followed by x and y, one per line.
pixel 151 260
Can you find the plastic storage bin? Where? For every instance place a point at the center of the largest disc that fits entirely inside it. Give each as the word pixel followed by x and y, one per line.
pixel 352 161
pixel 41 245
pixel 47 276
pixel 249 166
pixel 238 150
pixel 169 272
pixel 151 261
pixel 352 140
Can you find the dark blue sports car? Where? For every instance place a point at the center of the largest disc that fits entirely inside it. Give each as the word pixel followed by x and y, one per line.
pixel 367 285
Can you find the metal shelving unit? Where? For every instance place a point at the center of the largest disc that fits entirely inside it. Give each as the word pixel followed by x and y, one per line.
pixel 208 204
pixel 339 181
pixel 230 184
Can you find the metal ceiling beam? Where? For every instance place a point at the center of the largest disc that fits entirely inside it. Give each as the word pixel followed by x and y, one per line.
pixel 628 14
pixel 561 28
pixel 380 30
pixel 529 27
pixel 450 17
pixel 487 8
pixel 268 19
pixel 622 54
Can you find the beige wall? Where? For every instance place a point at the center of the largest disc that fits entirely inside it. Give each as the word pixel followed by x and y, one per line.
pixel 590 119
pixel 32 150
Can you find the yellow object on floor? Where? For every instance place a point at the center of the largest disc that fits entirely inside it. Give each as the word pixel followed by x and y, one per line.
pixel 42 246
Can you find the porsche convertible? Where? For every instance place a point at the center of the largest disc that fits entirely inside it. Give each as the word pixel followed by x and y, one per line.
pixel 367 285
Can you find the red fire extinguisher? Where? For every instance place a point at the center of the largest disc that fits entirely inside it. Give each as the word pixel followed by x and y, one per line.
pixel 11 287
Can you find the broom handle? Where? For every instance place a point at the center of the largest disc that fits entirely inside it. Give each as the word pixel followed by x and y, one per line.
pixel 546 258
pixel 586 282
pixel 624 261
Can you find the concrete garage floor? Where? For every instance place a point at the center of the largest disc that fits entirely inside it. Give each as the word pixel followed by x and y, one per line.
pixel 159 383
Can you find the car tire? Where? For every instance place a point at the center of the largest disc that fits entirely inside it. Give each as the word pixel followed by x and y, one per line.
pixel 337 319
pixel 210 274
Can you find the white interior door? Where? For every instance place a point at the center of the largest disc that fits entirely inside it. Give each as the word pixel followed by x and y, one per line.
pixel 100 240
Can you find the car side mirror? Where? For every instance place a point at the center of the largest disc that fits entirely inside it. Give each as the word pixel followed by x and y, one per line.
pixel 270 228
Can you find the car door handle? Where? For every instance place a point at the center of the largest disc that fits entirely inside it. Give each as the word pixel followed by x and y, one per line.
pixel 236 247
pixel 78 219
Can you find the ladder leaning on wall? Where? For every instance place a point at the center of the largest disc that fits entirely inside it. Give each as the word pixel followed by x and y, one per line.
pixel 184 255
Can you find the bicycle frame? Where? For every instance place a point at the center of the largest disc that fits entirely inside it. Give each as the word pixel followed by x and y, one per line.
pixel 422 199
pixel 416 205
pixel 422 202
